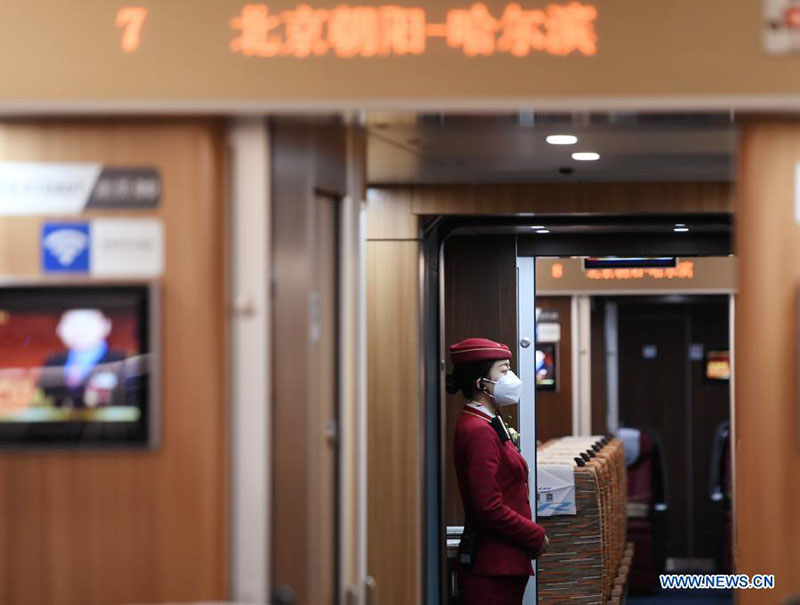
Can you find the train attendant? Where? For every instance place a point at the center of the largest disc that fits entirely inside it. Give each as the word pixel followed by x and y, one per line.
pixel 500 539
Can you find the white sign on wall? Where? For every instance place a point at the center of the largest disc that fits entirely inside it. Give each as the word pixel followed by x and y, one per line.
pixel 30 188
pixel 33 188
pixel 781 26
pixel 127 248
pixel 548 332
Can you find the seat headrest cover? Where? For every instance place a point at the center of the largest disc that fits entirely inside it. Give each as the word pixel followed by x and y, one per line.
pixel 631 440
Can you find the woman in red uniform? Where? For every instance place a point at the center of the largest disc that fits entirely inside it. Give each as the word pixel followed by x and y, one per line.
pixel 500 539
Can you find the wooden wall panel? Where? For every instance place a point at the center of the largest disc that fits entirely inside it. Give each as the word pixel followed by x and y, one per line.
pixel 19 234
pixel 104 528
pixel 394 414
pixel 390 215
pixel 767 454
pixel 595 198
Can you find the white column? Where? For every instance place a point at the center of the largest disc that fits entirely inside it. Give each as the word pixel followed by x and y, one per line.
pixel 581 365
pixel 250 361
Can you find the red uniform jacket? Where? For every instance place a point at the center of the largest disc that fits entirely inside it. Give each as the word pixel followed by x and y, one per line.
pixel 493 481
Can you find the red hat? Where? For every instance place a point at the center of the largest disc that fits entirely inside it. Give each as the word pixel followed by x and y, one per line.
pixel 478 349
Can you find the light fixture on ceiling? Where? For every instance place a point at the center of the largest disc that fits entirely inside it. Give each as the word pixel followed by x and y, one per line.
pixel 681 229
pixel 537 227
pixel 562 139
pixel 543 231
pixel 585 156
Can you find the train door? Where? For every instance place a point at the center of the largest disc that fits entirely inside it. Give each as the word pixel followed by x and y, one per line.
pixel 315 363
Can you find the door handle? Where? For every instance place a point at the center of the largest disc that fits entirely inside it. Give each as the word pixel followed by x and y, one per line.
pixel 370 591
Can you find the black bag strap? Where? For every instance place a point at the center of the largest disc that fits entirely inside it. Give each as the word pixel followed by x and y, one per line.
pixel 500 428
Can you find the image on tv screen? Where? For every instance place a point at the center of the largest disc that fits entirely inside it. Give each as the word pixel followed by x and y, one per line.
pixel 718 365
pixel 75 365
pixel 546 367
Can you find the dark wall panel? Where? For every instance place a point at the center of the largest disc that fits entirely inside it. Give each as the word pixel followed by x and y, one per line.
pixel 480 299
pixel 307 158
pixel 652 394
pixel 670 394
pixel 711 406
pixel 554 408
pixel 598 363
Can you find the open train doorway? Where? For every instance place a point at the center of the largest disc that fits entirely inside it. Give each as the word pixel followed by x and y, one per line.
pixel 483 199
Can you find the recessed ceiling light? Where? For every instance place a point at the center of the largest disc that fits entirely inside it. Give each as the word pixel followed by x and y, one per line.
pixel 585 156
pixel 538 227
pixel 680 224
pixel 681 229
pixel 542 231
pixel 562 139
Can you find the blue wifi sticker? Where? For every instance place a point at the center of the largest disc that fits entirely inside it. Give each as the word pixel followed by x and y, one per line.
pixel 65 247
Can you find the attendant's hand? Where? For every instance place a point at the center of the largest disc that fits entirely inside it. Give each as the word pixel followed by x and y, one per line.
pixel 542 549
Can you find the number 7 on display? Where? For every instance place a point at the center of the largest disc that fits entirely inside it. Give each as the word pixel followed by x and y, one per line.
pixel 131 19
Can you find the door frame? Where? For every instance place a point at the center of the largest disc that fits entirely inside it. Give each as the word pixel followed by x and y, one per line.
pixel 526 366
pixel 617 234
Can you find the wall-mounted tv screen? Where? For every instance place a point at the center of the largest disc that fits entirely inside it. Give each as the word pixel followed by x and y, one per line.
pixel 78 365
pixel 718 365
pixel 546 367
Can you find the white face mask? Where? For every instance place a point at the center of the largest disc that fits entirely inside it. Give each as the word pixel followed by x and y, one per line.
pixel 507 390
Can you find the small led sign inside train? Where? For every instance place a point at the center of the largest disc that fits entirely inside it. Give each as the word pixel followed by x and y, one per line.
pixel 683 270
pixel 391 30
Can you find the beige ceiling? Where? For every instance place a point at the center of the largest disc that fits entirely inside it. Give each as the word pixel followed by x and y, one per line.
pixel 410 148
